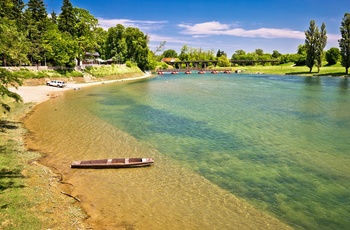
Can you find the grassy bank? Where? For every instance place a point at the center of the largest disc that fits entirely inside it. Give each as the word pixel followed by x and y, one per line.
pixel 290 69
pixel 116 71
pixel 30 194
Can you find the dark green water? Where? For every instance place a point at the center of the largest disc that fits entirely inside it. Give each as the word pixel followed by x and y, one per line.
pixel 282 143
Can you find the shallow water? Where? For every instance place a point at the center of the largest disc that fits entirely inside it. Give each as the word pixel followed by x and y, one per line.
pixel 279 142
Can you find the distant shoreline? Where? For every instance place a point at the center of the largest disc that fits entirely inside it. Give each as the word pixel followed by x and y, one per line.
pixel 39 94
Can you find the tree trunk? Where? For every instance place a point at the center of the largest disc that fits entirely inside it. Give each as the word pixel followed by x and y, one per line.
pixel 5 60
pixel 347 70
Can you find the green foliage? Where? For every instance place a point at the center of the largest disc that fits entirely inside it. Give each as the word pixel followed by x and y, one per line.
pixel 310 44
pixel 223 61
pixel 111 70
pixel 66 20
pixel 129 64
pixel 221 53
pixel 169 54
pixel 137 47
pixel 8 79
pixel 332 56
pixel 315 42
pixel 344 42
pixel 115 44
pixel 13 43
pixel 195 54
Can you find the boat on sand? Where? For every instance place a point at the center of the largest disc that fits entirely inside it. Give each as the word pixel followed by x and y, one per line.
pixel 113 163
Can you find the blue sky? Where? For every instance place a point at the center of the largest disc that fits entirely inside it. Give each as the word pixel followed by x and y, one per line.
pixel 228 25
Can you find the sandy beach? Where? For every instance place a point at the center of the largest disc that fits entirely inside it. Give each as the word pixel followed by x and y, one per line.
pixel 41 93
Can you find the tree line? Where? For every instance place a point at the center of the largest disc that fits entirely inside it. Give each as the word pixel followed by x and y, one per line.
pixel 29 36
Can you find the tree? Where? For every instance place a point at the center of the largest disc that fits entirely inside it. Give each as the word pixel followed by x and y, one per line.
pixel 8 79
pixel 276 54
pixel 300 57
pixel 85 24
pixel 259 52
pixel 239 55
pixel 66 20
pixel 320 45
pixel 221 53
pixel 223 61
pixel 344 42
pixel 13 43
pixel 332 55
pixel 115 44
pixel 169 54
pixel 310 44
pixel 160 47
pixel 61 48
pixel 184 56
pixel 54 17
pixel 37 23
pixel 137 47
pixel 315 42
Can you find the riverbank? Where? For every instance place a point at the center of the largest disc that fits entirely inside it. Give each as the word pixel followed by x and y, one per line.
pixel 24 181
pixel 39 94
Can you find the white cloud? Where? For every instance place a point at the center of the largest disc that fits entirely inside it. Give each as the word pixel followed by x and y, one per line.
pixel 142 25
pixel 217 28
pixel 159 38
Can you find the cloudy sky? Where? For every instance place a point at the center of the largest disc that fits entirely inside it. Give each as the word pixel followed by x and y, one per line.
pixel 228 25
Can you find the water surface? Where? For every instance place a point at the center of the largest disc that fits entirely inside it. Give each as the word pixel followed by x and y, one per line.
pixel 279 142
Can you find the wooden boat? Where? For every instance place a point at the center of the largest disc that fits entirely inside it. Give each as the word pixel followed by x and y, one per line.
pixel 113 163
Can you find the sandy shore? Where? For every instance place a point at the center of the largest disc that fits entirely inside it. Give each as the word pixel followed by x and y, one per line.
pixel 39 94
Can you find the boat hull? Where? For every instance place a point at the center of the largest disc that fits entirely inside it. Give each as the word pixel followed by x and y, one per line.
pixel 113 163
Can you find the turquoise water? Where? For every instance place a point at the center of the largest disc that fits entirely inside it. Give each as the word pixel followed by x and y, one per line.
pixel 280 142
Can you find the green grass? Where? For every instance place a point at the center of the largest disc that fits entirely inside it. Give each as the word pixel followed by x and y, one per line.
pixel 111 70
pixel 27 74
pixel 15 207
pixel 290 69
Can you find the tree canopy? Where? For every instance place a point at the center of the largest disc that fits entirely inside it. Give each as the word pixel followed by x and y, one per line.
pixel 344 42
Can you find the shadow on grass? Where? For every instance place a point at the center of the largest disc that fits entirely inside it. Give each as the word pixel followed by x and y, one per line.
pixel 306 73
pixel 8 179
pixel 7 125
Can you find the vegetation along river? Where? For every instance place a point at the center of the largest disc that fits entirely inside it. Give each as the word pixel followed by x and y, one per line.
pixel 278 143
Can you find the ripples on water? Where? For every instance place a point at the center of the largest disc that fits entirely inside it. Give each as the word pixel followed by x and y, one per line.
pixel 281 143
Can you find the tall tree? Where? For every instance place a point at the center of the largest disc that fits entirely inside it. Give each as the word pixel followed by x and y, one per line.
pixel 67 20
pixel 320 45
pixel 116 46
pixel 85 25
pixel 137 44
pixel 54 17
pixel 344 42
pixel 310 43
pixel 37 23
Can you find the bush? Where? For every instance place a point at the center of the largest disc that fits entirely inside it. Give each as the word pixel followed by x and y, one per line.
pixel 128 64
